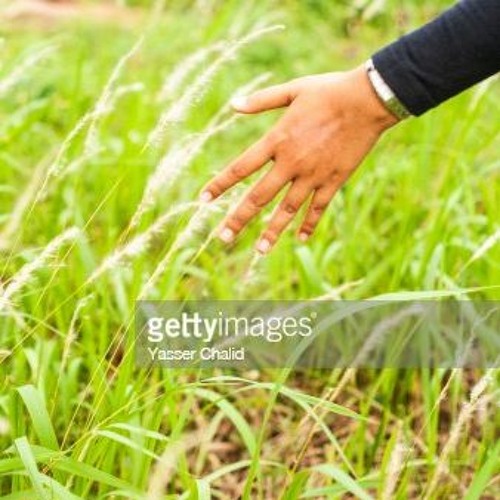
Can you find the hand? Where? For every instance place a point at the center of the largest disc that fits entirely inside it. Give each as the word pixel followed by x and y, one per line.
pixel 332 122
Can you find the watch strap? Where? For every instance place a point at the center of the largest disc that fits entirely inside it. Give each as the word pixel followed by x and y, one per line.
pixel 385 93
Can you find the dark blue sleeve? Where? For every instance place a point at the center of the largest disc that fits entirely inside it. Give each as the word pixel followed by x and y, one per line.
pixel 441 59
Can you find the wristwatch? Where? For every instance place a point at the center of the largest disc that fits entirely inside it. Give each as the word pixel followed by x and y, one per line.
pixel 385 93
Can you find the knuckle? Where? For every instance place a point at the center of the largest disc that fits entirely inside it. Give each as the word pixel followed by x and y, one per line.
pixel 255 200
pixel 296 85
pixel 237 171
pixel 268 141
pixel 307 171
pixel 284 171
pixel 280 138
pixel 319 206
pixel 238 218
pixel 335 176
pixel 215 188
pixel 290 206
pixel 307 227
pixel 270 235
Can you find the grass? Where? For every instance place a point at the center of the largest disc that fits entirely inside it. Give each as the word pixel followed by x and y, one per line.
pixel 77 418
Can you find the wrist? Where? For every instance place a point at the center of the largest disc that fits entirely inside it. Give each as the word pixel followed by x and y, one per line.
pixel 371 101
pixel 385 93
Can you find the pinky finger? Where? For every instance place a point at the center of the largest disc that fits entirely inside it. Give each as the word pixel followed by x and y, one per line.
pixel 317 208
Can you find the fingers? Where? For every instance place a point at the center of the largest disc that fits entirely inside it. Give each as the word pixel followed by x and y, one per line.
pixel 260 153
pixel 253 202
pixel 283 215
pixel 317 208
pixel 250 161
pixel 277 96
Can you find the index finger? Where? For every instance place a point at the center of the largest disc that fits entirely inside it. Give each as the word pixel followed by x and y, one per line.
pixel 255 157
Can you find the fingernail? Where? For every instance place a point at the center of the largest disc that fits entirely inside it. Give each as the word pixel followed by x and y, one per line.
pixel 239 102
pixel 226 235
pixel 206 196
pixel 303 237
pixel 263 246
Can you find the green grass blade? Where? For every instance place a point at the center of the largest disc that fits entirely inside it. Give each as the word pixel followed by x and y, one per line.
pixel 233 414
pixel 299 397
pixel 140 431
pixel 236 466
pixel 98 476
pixel 480 481
pixel 296 487
pixel 20 495
pixel 344 479
pixel 39 416
pixel 29 462
pixel 203 490
pixel 118 438
pixel 76 468
pixel 57 490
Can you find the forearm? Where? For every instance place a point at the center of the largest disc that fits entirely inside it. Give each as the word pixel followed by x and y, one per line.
pixel 458 49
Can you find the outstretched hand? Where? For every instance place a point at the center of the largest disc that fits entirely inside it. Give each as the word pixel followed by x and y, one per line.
pixel 333 120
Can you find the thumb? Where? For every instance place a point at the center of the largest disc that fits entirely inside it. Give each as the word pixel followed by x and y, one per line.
pixel 277 96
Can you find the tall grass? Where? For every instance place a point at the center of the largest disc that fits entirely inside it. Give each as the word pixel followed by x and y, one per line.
pixel 108 217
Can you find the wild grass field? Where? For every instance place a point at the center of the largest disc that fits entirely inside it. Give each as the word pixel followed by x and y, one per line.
pixel 108 131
